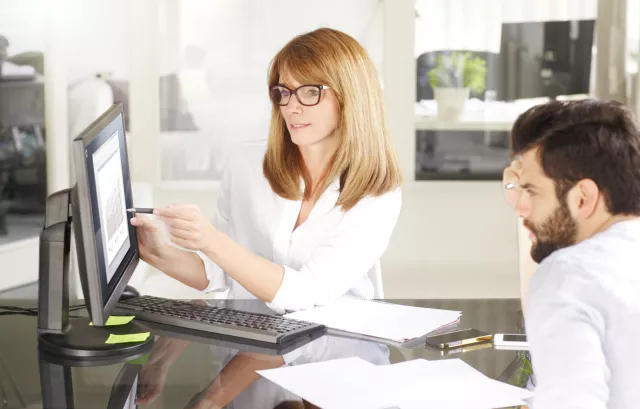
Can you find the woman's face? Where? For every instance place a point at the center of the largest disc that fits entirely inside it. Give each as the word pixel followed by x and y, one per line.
pixel 310 125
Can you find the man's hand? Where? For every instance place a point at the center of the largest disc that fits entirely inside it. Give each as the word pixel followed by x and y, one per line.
pixel 511 181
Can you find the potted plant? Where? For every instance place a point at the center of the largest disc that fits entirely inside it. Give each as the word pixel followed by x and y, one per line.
pixel 452 80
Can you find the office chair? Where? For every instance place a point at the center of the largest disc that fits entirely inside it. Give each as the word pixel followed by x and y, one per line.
pixel 375 275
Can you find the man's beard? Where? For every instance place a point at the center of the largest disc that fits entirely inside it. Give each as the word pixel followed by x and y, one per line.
pixel 557 232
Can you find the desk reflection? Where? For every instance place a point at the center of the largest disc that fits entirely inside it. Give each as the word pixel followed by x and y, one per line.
pixel 237 385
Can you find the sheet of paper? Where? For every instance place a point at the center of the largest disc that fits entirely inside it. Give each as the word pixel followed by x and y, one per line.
pixel 341 383
pixel 115 320
pixel 416 384
pixel 121 339
pixel 387 321
pixel 447 384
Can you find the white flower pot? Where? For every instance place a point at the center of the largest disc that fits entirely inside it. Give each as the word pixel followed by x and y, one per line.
pixel 450 102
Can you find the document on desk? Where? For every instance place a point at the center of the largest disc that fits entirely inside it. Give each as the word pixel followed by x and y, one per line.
pixel 449 383
pixel 341 383
pixel 416 384
pixel 398 323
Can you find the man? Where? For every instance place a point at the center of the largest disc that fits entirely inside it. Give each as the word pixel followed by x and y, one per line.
pixel 576 179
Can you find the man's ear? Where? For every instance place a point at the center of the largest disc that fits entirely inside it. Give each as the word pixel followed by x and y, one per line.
pixel 584 199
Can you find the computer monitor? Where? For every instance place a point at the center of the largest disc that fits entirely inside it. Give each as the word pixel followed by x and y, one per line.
pixel 106 242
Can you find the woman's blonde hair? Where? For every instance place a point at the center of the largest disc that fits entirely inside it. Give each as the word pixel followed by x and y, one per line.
pixel 365 160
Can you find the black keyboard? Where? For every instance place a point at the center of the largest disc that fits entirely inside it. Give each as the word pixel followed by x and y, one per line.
pixel 271 329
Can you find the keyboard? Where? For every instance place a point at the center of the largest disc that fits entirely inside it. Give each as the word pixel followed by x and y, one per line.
pixel 266 328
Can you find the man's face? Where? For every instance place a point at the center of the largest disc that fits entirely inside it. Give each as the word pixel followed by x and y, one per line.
pixel 548 219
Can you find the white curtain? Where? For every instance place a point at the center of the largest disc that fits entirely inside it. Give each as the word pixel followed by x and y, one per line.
pixel 516 11
pixel 475 25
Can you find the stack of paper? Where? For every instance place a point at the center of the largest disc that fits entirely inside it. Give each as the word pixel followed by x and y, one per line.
pixel 355 383
pixel 398 323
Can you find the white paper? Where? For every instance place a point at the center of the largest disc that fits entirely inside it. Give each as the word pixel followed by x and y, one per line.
pixel 448 384
pixel 386 321
pixel 341 383
pixel 416 384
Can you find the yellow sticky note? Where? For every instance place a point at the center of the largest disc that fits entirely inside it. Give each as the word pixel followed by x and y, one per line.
pixel 112 321
pixel 122 339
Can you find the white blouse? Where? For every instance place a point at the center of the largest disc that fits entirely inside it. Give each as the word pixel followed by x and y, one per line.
pixel 331 254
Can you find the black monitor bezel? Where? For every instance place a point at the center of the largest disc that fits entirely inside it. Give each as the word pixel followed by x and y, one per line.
pixel 100 297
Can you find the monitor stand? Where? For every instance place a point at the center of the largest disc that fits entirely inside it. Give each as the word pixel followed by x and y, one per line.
pixel 58 333
pixel 57 385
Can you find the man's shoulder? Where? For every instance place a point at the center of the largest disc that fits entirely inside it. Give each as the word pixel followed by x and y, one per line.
pixel 607 248
pixel 591 265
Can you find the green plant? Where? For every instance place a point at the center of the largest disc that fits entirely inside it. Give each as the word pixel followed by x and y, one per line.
pixel 523 374
pixel 459 70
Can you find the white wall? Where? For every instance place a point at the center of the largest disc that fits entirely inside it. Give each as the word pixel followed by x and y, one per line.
pixel 19 263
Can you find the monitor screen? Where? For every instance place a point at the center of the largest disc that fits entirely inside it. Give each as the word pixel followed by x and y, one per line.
pixel 113 228
pixel 107 243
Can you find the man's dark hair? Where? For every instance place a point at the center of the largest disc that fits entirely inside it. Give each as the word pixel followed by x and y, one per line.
pixel 586 139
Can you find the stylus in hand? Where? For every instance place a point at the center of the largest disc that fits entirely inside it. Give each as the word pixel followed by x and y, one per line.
pixel 146 210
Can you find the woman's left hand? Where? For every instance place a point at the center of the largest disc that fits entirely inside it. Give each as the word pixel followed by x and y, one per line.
pixel 187 226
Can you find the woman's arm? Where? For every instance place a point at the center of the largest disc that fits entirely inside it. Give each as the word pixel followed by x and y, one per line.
pixel 234 378
pixel 526 265
pixel 339 261
pixel 261 277
pixel 184 266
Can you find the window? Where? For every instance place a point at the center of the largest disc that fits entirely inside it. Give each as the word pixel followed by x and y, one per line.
pixel 481 63
pixel 23 186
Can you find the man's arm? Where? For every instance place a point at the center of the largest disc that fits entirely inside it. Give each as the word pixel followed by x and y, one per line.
pixel 526 265
pixel 565 330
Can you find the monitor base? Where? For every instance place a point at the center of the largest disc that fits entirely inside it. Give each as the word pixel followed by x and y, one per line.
pixel 80 340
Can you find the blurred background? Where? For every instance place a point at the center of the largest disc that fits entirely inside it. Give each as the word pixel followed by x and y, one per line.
pixel 192 77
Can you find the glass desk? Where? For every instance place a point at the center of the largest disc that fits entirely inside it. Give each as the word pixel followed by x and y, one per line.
pixel 183 368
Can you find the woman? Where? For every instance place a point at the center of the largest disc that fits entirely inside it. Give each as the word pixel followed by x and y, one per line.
pixel 304 218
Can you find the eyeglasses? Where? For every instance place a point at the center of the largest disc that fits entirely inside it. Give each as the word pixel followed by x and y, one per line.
pixel 307 95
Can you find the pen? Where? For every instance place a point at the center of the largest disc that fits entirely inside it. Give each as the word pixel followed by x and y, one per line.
pixel 147 210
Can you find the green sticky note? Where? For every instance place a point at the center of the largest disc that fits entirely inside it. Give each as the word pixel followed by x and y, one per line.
pixel 122 339
pixel 113 320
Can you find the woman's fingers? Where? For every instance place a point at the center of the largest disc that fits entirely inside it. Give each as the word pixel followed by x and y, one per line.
pixel 187 244
pixel 183 234
pixel 145 223
pixel 185 212
pixel 178 223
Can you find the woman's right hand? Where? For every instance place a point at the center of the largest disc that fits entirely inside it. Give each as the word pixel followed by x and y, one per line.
pixel 151 241
pixel 511 181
